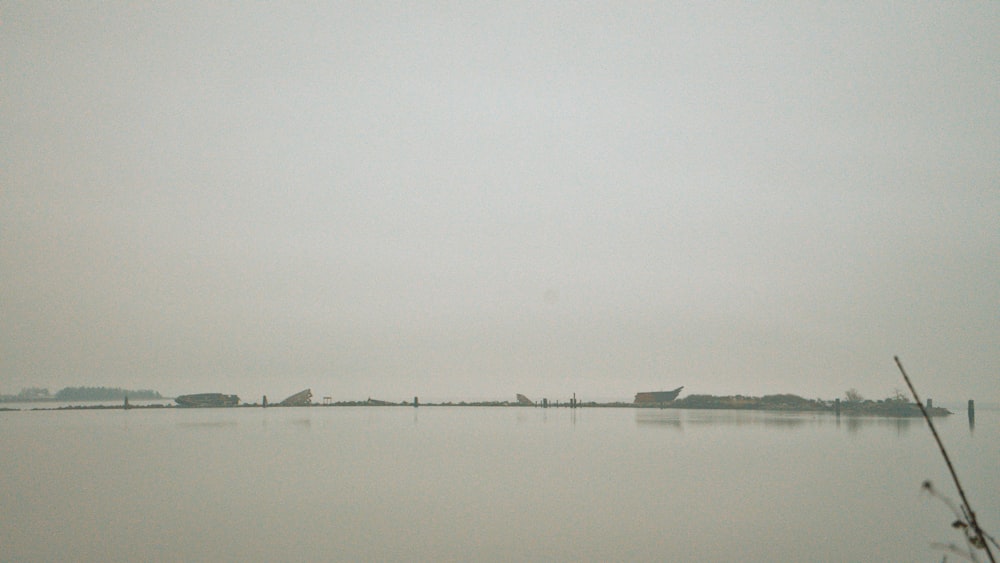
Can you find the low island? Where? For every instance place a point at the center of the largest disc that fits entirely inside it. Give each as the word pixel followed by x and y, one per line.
pixel 852 405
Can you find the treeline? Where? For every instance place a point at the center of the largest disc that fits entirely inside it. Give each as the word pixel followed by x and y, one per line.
pixel 768 402
pixel 854 404
pixel 81 394
pixel 104 393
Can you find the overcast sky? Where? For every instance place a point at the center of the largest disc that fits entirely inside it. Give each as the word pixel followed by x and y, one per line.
pixel 476 199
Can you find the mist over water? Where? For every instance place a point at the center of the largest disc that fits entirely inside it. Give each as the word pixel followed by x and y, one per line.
pixel 483 484
pixel 485 199
pixel 469 200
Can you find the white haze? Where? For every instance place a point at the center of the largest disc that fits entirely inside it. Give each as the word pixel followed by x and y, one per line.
pixel 469 200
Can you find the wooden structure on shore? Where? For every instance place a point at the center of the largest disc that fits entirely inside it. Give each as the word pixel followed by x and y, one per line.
pixel 301 399
pixel 657 396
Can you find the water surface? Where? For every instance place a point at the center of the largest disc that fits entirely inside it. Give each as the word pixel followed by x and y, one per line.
pixel 483 484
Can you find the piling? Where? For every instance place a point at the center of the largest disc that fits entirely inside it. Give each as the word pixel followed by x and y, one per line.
pixel 263 402
pixel 416 402
pixel 972 412
pixel 836 406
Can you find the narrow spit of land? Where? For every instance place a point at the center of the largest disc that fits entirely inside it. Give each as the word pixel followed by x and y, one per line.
pixel 892 407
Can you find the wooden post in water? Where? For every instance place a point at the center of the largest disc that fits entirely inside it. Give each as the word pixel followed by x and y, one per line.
pixel 972 412
pixel 416 402
pixel 836 406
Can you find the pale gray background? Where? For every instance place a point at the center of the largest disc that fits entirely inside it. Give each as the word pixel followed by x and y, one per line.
pixel 472 199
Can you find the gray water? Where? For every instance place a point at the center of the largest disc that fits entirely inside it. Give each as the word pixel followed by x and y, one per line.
pixel 483 484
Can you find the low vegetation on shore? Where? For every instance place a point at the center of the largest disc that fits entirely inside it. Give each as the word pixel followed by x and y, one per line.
pixel 42 394
pixel 852 403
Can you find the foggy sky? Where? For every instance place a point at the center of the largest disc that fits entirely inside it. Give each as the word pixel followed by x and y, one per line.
pixel 472 199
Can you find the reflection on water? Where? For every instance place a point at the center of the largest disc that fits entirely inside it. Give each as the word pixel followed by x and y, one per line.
pixel 678 418
pixel 305 422
pixel 659 418
pixel 301 421
pixel 901 425
pixel 206 423
pixel 370 484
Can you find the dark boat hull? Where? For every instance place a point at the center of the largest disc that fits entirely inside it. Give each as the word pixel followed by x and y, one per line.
pixel 207 400
pixel 657 396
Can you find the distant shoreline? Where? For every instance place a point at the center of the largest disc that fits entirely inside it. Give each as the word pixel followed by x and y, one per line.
pixel 863 409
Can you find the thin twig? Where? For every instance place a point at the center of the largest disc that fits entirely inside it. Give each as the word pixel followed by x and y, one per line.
pixel 961 492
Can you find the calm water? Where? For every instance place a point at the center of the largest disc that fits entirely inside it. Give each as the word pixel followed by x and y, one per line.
pixel 483 484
